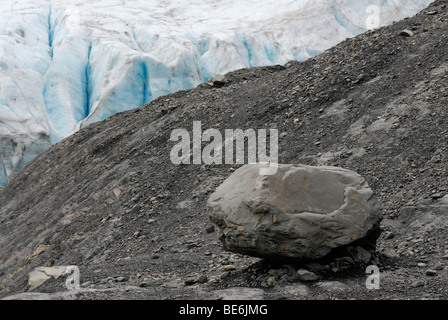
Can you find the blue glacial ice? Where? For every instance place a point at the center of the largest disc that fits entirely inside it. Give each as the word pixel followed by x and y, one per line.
pixel 66 64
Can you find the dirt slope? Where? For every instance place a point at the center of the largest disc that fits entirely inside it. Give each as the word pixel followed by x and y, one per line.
pixel 109 200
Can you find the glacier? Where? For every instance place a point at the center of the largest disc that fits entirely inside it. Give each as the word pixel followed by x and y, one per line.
pixel 67 64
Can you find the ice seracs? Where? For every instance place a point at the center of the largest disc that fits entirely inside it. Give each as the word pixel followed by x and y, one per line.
pixel 66 64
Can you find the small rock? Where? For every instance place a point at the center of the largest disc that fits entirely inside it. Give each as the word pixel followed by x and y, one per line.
pixel 192 245
pixel 390 254
pixel 431 272
pixel 334 267
pixel 229 267
pixel 135 209
pixel 360 77
pixel 202 279
pixel 271 281
pixel 120 279
pixel 305 275
pixel 210 229
pixel 41 274
pixel 219 80
pixel 291 270
pixel 418 283
pixel 159 249
pixel 422 264
pixel 190 281
pixel 116 192
pixel 388 235
pixel 361 255
pixel 406 33
pixel 438 266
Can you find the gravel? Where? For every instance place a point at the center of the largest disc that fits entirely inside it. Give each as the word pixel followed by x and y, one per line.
pixel 108 199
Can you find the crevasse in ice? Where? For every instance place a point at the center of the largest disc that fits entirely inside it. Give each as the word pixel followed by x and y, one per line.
pixel 66 64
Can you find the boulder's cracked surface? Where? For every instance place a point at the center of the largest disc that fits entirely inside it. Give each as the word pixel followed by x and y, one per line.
pixel 300 212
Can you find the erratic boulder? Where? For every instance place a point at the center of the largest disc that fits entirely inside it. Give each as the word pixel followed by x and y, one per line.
pixel 300 212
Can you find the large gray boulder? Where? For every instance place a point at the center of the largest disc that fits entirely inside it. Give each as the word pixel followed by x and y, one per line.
pixel 301 212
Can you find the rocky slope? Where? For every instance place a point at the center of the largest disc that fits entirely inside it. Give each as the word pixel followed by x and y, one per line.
pixel 109 200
